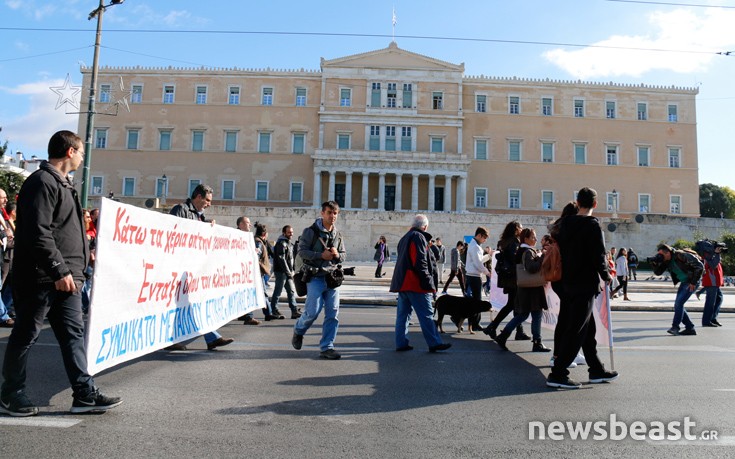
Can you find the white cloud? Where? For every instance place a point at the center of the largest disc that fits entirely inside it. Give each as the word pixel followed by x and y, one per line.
pixel 14 4
pixel 679 30
pixel 22 46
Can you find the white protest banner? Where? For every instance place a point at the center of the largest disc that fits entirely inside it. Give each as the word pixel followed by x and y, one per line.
pixel 498 298
pixel 160 279
pixel 600 312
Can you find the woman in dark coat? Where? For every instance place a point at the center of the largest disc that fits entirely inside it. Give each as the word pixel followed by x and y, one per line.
pixel 381 255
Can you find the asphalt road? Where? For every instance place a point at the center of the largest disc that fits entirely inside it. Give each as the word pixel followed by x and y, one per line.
pixel 259 398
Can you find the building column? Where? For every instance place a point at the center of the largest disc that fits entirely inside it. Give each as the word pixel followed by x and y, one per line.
pixel 461 194
pixel 432 190
pixel 447 193
pixel 317 188
pixel 415 193
pixel 332 181
pixel 381 191
pixel 348 190
pixel 365 177
pixel 399 189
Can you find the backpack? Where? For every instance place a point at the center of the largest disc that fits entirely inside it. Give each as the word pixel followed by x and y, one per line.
pixel 551 264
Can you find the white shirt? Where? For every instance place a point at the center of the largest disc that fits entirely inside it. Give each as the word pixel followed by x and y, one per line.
pixel 475 259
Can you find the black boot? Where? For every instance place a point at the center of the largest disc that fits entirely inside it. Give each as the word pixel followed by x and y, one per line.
pixel 538 346
pixel 502 338
pixel 521 335
pixel 491 330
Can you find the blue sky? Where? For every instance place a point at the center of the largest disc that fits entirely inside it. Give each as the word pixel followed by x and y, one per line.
pixel 509 39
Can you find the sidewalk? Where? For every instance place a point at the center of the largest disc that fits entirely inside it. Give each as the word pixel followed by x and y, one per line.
pixel 653 295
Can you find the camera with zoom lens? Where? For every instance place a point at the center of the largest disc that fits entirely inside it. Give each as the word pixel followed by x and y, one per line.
pixel 658 259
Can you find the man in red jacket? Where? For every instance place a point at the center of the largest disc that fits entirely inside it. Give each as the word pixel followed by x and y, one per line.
pixel 711 282
pixel 413 279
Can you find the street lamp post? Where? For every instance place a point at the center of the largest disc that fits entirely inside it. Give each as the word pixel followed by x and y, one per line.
pixel 97 12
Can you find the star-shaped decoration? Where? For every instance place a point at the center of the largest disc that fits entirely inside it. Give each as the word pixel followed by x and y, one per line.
pixel 68 93
pixel 118 97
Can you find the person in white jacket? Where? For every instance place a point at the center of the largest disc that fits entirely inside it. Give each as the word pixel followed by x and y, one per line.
pixel 475 268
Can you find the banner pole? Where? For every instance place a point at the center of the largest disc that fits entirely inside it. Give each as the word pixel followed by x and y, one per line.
pixel 609 330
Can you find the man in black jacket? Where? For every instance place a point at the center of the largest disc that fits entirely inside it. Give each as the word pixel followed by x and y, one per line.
pixel 283 267
pixel 583 258
pixel 51 254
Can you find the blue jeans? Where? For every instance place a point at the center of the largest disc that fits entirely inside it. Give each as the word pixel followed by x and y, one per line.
pixel 282 280
pixel 518 320
pixel 3 311
pixel 421 303
pixel 680 312
pixel 712 304
pixel 319 297
pixel 64 312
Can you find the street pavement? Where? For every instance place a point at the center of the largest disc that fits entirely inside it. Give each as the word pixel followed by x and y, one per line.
pixel 260 398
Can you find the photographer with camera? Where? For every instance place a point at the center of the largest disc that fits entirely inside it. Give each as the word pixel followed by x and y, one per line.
pixel 712 280
pixel 322 249
pixel 685 267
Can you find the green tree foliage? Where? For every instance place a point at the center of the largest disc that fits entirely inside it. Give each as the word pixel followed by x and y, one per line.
pixel 11 182
pixel 3 146
pixel 716 201
pixel 682 244
pixel 728 259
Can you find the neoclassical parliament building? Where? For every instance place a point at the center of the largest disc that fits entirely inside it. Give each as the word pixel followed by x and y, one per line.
pixel 393 130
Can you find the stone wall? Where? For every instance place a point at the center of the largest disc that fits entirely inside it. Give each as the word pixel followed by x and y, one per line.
pixel 362 228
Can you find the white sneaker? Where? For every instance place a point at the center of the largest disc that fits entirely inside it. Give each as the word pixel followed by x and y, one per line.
pixel 580 360
pixel 571 365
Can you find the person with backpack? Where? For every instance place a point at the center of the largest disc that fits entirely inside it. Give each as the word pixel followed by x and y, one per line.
pixel 686 267
pixel 321 248
pixel 632 265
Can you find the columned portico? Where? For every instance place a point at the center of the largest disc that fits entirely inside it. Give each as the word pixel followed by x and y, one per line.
pixel 432 190
pixel 415 192
pixel 317 188
pixel 348 190
pixel 332 182
pixel 447 193
pixel 364 201
pixel 381 191
pixel 399 188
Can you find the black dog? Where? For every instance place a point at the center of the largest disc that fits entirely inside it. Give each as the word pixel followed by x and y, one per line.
pixel 459 308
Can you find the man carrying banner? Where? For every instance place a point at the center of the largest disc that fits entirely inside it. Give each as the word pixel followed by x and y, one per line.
pixel 583 257
pixel 193 209
pixel 51 254
pixel 321 247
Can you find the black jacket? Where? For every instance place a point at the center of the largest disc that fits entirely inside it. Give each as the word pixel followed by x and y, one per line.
pixel 50 240
pixel 415 265
pixel 187 210
pixel 283 258
pixel 583 254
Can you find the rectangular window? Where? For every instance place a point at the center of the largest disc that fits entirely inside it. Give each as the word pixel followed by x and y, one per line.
pixel 100 138
pixel 97 186
pixel 105 90
pixel 299 140
pixel 514 199
pixel 300 97
pixel 390 138
pixel 674 157
pixel 437 100
pixel 261 191
pixel 136 95
pixel 547 152
pixel 481 149
pixel 612 155
pixel 514 105
pixel 128 186
pixel 578 108
pixel 547 200
pixel 481 103
pixel 514 150
pixel 642 111
pixel 392 95
pixel 644 203
pixel 547 108
pixel 407 95
pixel 375 95
pixel 201 97
pixel 673 113
pixel 234 96
pixel 580 153
pixel 345 97
pixel 193 184
pixel 197 140
pixel 133 135
pixel 264 142
pixel 374 138
pixel 164 139
pixel 168 94
pixel 267 96
pixel 481 197
pixel 228 190
pixel 406 140
pixel 231 141
pixel 343 141
pixel 644 159
pixel 675 204
pixel 612 202
pixel 437 144
pixel 161 187
pixel 610 110
pixel 297 192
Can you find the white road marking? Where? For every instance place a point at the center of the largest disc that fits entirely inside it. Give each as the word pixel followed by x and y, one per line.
pixel 33 421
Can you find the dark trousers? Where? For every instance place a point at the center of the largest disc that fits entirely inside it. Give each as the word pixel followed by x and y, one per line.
pixel 576 327
pixel 475 284
pixel 507 309
pixel 379 270
pixel 623 281
pixel 460 279
pixel 64 312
